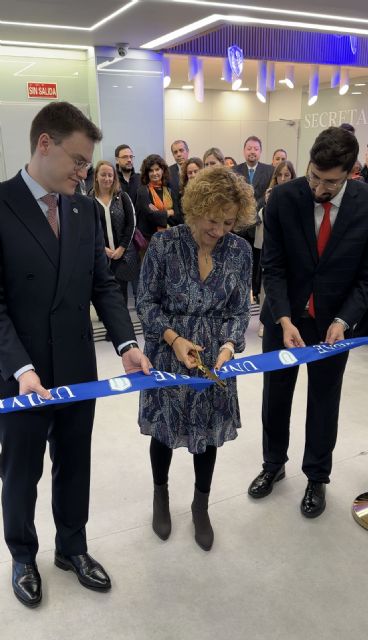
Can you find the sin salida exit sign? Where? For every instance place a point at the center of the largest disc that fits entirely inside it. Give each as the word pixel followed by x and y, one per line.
pixel 43 90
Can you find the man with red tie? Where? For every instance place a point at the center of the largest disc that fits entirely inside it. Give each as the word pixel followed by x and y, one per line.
pixel 315 267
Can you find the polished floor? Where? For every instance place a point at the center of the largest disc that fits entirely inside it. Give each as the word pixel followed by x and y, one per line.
pixel 271 572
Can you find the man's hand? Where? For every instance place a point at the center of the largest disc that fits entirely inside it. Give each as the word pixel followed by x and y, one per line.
pixel 135 360
pixel 291 335
pixel 108 252
pixel 117 253
pixel 334 333
pixel 29 382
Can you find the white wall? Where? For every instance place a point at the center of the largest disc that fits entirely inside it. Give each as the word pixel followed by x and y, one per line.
pixel 226 118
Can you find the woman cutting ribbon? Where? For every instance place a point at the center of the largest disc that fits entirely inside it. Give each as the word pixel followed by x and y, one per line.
pixel 194 297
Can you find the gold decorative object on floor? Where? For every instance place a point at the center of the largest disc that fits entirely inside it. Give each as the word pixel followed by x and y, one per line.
pixel 360 510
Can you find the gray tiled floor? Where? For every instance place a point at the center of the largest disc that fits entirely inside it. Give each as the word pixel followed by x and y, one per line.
pixel 271 573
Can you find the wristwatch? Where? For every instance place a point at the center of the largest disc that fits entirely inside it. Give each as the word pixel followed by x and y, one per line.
pixel 131 345
pixel 340 321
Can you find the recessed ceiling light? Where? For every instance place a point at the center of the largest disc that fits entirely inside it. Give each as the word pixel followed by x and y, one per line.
pixel 129 86
pixel 244 89
pixel 360 84
pixel 115 86
pixel 187 86
pixel 222 78
pixel 356 93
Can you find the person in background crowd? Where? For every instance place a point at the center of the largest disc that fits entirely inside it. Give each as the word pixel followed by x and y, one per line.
pixel 258 175
pixel 46 290
pixel 194 298
pixel 364 171
pixel 279 155
pixel 284 172
pixel 230 162
pixel 128 178
pixel 213 157
pixel 157 204
pixel 85 186
pixel 189 170
pixel 315 271
pixel 356 172
pixel 118 223
pixel 348 127
pixel 180 152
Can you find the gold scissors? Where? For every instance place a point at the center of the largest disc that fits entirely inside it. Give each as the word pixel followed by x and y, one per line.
pixel 210 375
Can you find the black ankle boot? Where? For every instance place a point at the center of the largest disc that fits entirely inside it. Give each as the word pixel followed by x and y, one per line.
pixel 161 521
pixel 203 530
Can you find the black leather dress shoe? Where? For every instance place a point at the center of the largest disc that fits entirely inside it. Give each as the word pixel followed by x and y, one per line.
pixel 89 572
pixel 314 501
pixel 26 583
pixel 262 485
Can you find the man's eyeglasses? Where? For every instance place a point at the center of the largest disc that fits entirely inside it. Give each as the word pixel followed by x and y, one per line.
pixel 79 165
pixel 126 157
pixel 329 185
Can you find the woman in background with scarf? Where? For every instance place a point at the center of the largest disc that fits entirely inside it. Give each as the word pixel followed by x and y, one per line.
pixel 156 206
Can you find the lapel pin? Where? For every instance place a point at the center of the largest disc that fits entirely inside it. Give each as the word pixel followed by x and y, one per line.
pixel 75 210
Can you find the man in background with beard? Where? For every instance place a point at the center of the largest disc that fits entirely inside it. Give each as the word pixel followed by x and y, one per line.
pixel 315 268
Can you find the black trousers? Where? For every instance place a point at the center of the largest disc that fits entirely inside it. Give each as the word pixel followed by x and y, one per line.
pixel 23 437
pixel 324 391
pixel 204 464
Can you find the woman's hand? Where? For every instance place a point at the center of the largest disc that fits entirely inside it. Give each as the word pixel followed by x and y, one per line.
pixel 170 212
pixel 152 207
pixel 224 355
pixel 185 352
pixel 117 253
pixel 109 252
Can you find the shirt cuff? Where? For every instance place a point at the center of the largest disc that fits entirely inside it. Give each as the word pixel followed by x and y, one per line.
pixel 341 321
pixel 125 344
pixel 27 367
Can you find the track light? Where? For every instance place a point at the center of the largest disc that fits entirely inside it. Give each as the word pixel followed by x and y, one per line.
pixel 271 76
pixel 166 72
pixel 344 82
pixel 313 85
pixel 335 77
pixel 237 83
pixel 262 81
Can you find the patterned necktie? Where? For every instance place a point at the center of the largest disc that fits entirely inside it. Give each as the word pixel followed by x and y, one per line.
pixel 251 175
pixel 51 201
pixel 323 237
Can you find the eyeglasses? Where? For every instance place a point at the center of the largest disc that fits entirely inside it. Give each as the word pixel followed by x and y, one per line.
pixel 79 165
pixel 126 157
pixel 329 185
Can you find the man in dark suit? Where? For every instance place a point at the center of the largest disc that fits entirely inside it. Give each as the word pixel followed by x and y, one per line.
pixel 180 151
pixel 315 267
pixel 259 176
pixel 52 265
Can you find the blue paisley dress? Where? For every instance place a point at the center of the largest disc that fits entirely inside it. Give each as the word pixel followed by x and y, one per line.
pixel 172 295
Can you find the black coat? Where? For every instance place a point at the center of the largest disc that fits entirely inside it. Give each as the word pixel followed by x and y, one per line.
pixel 46 287
pixel 292 269
pixel 174 173
pixel 147 220
pixel 130 187
pixel 261 179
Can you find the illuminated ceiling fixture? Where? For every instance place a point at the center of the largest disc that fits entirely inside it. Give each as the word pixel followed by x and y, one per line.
pixel 313 85
pixel 335 77
pixel 289 76
pixel 262 81
pixel 237 83
pixel 166 72
pixel 344 82
pixel 226 70
pixel 271 76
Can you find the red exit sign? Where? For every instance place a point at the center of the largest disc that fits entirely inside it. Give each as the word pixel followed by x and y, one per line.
pixel 45 90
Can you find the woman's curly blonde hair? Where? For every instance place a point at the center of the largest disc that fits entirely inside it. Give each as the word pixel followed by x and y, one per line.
pixel 214 188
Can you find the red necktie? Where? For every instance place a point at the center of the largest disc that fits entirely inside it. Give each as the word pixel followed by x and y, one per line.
pixel 323 237
pixel 51 201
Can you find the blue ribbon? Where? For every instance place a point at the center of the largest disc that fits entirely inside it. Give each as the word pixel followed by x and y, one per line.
pixel 260 363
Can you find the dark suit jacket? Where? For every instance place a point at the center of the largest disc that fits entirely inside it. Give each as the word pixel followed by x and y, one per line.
pixel 174 172
pixel 46 287
pixel 261 179
pixel 292 269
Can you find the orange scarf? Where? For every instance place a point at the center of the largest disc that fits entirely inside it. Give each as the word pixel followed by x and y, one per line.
pixel 165 203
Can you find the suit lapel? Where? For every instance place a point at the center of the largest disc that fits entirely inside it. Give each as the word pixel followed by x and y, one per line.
pixel 25 207
pixel 306 212
pixel 69 241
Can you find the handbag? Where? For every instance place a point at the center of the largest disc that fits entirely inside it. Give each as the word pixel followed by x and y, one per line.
pixel 139 240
